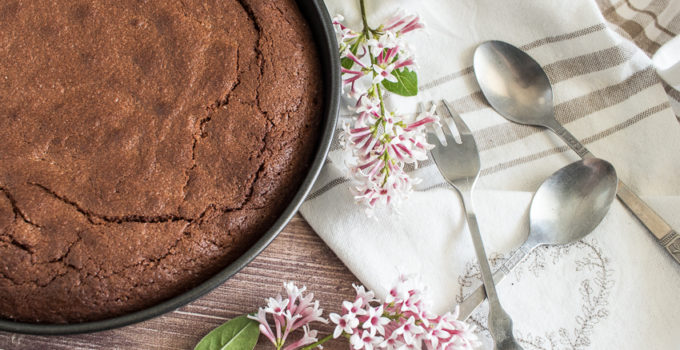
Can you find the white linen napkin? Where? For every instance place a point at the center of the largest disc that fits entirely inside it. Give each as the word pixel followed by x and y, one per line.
pixel 667 62
pixel 615 290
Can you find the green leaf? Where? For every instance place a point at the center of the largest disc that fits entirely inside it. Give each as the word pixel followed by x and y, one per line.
pixel 406 85
pixel 240 333
pixel 346 63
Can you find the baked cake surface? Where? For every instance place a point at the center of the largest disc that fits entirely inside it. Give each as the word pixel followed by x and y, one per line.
pixel 144 145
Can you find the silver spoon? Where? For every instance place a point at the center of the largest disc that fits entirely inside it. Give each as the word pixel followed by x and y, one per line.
pixel 518 89
pixel 566 207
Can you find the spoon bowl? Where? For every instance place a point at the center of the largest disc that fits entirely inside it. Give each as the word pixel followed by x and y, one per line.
pixel 571 202
pixel 514 83
pixel 566 207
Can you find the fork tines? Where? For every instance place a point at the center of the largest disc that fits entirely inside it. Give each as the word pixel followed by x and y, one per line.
pixel 451 124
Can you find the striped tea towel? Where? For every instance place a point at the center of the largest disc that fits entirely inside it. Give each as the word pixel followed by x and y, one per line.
pixel 617 289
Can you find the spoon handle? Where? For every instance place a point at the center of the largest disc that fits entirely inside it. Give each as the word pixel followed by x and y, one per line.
pixel 571 140
pixel 663 232
pixel 472 302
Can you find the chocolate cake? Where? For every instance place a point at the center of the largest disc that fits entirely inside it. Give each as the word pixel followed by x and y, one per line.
pixel 144 145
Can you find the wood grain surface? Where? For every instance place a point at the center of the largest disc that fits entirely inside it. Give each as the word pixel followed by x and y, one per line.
pixel 297 254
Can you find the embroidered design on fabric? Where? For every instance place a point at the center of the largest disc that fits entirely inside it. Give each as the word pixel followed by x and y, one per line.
pixel 594 289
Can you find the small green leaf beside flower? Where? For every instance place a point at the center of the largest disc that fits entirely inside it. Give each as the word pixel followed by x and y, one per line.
pixel 406 85
pixel 241 333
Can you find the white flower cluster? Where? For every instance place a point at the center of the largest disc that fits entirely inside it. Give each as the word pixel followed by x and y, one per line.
pixel 401 322
pixel 294 312
pixel 381 141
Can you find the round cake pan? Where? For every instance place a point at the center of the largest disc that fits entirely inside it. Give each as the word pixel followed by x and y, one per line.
pixel 322 28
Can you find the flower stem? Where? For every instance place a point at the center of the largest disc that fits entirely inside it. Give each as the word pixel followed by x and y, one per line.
pixel 393 317
pixel 363 16
pixel 325 339
pixel 382 103
pixel 367 32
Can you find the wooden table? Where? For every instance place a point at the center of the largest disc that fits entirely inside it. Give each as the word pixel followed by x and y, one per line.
pixel 297 254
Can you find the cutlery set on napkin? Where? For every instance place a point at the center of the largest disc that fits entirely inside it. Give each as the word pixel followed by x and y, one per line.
pixel 614 288
pixel 567 206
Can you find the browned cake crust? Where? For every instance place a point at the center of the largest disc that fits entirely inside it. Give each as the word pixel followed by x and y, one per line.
pixel 144 145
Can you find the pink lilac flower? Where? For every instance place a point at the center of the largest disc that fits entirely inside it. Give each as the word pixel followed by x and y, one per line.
pixel 296 311
pixel 412 303
pixel 375 322
pixel 310 313
pixel 427 117
pixel 387 56
pixel 412 25
pixel 355 59
pixel 355 308
pixel 345 33
pixel 261 317
pixel 346 323
pixel 389 61
pixel 391 343
pixel 391 188
pixel 353 76
pixel 367 109
pixel 450 333
pixel 404 62
pixel 287 324
pixel 365 340
pixel 362 136
pixel 365 296
pixel 309 337
pixel 293 293
pixel 402 24
pixel 276 306
pixel 397 293
pixel 386 41
pixel 397 20
pixel 409 331
pixel 384 73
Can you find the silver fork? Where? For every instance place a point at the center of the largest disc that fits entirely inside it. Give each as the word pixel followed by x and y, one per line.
pixel 459 164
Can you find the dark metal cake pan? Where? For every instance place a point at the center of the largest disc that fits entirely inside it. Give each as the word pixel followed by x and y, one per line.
pixel 322 29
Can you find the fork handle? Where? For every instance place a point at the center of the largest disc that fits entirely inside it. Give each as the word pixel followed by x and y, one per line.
pixel 478 296
pixel 480 252
pixel 500 323
pixel 663 232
